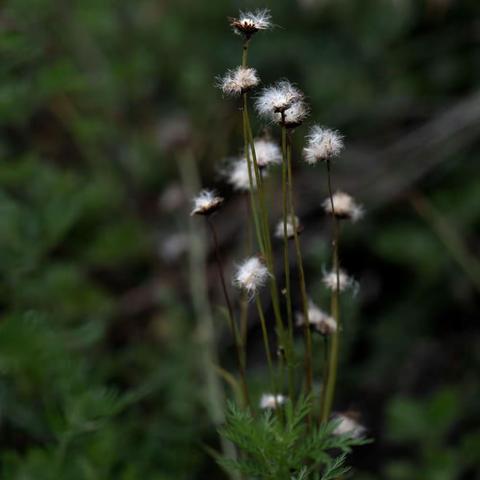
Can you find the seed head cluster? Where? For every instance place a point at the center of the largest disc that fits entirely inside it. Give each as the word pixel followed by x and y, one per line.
pixel 237 175
pixel 322 144
pixel 344 207
pixel 268 153
pixel 292 225
pixel 249 23
pixel 238 81
pixel 251 275
pixel 268 401
pixel 206 202
pixel 348 426
pixel 344 281
pixel 318 320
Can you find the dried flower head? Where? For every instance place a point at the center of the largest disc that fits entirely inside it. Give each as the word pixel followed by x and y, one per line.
pixel 277 99
pixel 236 174
pixel 292 224
pixel 238 81
pixel 251 275
pixel 344 207
pixel 206 202
pixel 270 401
pixel 348 426
pixel 344 281
pixel 294 115
pixel 322 144
pixel 318 320
pixel 268 153
pixel 249 23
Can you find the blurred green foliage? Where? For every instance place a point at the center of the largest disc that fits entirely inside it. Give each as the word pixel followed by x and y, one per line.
pixel 94 387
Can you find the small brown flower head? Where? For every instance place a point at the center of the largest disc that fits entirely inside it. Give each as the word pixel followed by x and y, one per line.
pixel 329 279
pixel 238 81
pixel 276 99
pixel 293 224
pixel 249 23
pixel 269 401
pixel 237 175
pixel 318 320
pixel 251 275
pixel 344 206
pixel 206 202
pixel 348 426
pixel 322 144
pixel 268 153
pixel 294 115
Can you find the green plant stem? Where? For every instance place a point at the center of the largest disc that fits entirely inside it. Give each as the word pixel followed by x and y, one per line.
pixel 301 272
pixel 286 247
pixel 335 313
pixel 241 358
pixel 215 401
pixel 266 343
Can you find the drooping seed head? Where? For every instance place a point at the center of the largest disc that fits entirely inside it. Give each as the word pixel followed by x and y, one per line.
pixel 249 23
pixel 206 202
pixel 344 207
pixel 329 279
pixel 268 153
pixel 322 144
pixel 238 81
pixel 348 426
pixel 251 275
pixel 276 99
pixel 318 320
pixel 237 175
pixel 292 224
pixel 269 401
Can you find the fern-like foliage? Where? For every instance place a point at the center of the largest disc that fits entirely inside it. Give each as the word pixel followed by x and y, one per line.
pixel 280 445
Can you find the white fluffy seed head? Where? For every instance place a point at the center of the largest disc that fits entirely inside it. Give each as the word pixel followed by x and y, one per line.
pixel 267 152
pixel 269 401
pixel 276 99
pixel 251 275
pixel 238 81
pixel 348 426
pixel 206 202
pixel 344 207
pixel 294 115
pixel 322 144
pixel 318 320
pixel 329 279
pixel 292 224
pixel 249 23
pixel 237 175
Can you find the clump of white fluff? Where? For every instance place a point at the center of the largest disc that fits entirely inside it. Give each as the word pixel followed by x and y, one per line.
pixel 322 144
pixel 344 207
pixel 270 401
pixel 348 426
pixel 206 202
pixel 267 153
pixel 329 279
pixel 276 99
pixel 251 275
pixel 237 175
pixel 238 81
pixel 292 225
pixel 294 115
pixel 318 320
pixel 249 23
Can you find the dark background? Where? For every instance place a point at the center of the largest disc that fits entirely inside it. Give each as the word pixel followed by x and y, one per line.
pixel 110 120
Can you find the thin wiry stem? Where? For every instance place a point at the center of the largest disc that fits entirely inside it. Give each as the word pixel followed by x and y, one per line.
pixel 266 343
pixel 335 312
pixel 286 259
pixel 303 287
pixel 233 324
